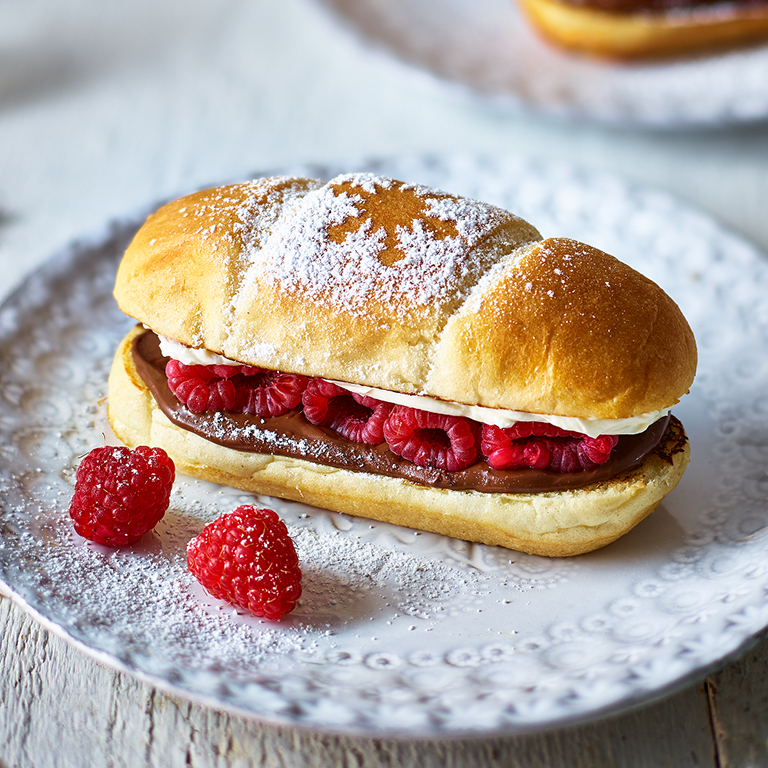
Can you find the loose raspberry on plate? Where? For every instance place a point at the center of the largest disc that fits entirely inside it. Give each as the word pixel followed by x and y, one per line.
pixel 355 417
pixel 537 445
pixel 265 393
pixel 199 387
pixel 247 558
pixel 121 494
pixel 431 439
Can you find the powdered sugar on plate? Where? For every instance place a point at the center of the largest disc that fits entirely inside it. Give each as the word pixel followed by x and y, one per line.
pixel 348 581
pixel 398 632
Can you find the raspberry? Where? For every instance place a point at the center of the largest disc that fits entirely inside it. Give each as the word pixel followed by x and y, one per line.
pixel 597 449
pixel 199 388
pixel 355 417
pixel 121 494
pixel 223 371
pixel 268 393
pixel 581 454
pixel 522 429
pixel 431 439
pixel 240 388
pixel 538 445
pixel 247 558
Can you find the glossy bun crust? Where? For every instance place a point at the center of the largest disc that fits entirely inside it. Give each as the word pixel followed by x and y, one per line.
pixel 380 283
pixel 554 524
pixel 648 34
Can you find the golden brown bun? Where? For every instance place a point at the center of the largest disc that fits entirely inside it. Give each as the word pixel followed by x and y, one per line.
pixel 186 262
pixel 429 293
pixel 647 34
pixel 569 330
pixel 553 524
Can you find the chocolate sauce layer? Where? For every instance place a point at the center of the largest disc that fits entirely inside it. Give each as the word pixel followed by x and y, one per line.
pixel 292 435
pixel 656 6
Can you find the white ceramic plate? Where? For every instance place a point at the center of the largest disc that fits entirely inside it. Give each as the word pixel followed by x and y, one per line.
pixel 400 632
pixel 487 49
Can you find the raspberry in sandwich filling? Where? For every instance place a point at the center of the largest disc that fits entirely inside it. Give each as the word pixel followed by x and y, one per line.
pixel 252 409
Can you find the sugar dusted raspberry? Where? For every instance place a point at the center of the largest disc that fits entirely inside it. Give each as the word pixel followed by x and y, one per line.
pixel 265 393
pixel 431 439
pixel 538 445
pixel 121 494
pixel 199 388
pixel 247 558
pixel 355 417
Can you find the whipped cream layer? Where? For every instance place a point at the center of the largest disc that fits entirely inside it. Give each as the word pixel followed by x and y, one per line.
pixel 498 417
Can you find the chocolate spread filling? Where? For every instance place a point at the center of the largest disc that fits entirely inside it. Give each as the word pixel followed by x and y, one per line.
pixel 292 435
pixel 658 6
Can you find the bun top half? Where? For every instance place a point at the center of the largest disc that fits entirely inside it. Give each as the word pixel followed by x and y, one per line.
pixel 396 286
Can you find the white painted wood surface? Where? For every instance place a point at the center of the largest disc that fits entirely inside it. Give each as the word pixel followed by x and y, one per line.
pixel 60 708
pixel 106 107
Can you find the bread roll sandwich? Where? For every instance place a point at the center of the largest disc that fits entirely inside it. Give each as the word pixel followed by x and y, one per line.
pixel 391 351
pixel 636 29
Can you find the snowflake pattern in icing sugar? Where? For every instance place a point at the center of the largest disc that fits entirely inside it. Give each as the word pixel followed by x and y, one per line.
pixel 264 204
pixel 332 253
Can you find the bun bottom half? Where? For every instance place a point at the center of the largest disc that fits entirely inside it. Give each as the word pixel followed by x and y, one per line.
pixel 647 35
pixel 554 524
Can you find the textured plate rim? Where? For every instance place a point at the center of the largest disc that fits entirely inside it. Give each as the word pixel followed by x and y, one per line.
pixel 639 698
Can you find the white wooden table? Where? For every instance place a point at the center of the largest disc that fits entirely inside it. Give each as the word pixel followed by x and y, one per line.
pixel 107 107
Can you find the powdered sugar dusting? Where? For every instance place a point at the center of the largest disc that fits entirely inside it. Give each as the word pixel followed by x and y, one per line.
pixel 558 268
pixel 265 203
pixel 369 183
pixel 548 269
pixel 570 658
pixel 426 252
pixel 221 427
pixel 205 208
pixel 344 577
pixel 252 205
pixel 492 278
pixel 105 584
